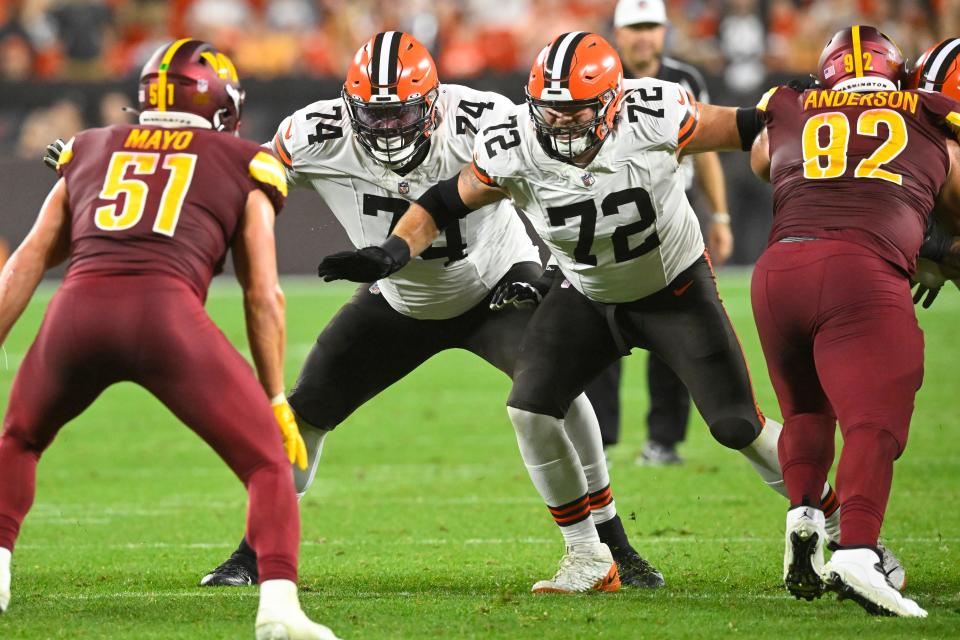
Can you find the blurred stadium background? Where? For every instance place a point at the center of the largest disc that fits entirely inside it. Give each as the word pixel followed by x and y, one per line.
pixel 66 65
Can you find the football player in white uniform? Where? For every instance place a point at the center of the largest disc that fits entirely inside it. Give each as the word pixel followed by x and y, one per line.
pixel 394 132
pixel 594 165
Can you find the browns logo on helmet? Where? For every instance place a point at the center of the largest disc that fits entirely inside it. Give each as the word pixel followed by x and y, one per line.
pixel 938 69
pixel 390 93
pixel 860 58
pixel 575 72
pixel 189 81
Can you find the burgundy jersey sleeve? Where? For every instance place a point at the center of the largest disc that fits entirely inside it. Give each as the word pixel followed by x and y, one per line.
pixel 160 201
pixel 862 167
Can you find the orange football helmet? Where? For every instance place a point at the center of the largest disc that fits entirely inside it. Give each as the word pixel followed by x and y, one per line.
pixel 575 71
pixel 391 93
pixel 938 69
pixel 190 80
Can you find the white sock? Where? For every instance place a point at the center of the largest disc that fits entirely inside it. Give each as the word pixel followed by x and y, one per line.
pixel 762 454
pixel 583 532
pixel 832 522
pixel 583 430
pixel 4 578
pixel 313 437
pixel 555 470
pixel 278 596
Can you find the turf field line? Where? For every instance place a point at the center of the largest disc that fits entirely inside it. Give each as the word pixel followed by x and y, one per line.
pixel 435 542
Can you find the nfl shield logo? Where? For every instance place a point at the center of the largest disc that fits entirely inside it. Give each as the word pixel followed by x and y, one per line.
pixel 588 179
pixel 403 187
pixel 202 85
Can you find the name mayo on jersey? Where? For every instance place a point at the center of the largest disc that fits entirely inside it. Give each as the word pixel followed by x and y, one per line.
pixel 158 139
pixel 319 151
pixel 901 100
pixel 620 228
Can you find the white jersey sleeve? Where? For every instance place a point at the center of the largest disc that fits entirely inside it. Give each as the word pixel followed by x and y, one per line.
pixel 667 115
pixel 307 140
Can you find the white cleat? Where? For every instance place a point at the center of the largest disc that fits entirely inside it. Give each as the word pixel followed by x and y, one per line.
pixel 803 552
pixel 896 572
pixel 584 567
pixel 858 574
pixel 4 579
pixel 281 618
pixel 293 625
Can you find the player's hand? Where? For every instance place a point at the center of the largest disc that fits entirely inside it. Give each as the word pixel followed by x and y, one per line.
pixel 368 264
pixel 719 242
pixel 51 157
pixel 928 281
pixel 293 442
pixel 518 294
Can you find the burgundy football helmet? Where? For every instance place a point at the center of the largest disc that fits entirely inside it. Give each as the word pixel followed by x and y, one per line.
pixel 191 77
pixel 938 69
pixel 860 58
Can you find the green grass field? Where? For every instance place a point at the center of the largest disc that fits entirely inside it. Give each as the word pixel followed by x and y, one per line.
pixel 423 524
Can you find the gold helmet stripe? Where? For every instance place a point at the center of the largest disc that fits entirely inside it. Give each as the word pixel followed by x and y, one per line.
pixel 162 74
pixel 857 52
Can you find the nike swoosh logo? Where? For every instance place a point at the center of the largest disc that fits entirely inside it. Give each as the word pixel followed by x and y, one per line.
pixel 682 290
pixel 286 134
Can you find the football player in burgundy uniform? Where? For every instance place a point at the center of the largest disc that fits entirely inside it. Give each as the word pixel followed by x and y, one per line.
pixel 857 165
pixel 145 214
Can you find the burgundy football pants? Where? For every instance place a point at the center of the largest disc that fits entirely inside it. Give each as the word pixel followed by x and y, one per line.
pixel 153 331
pixel 841 341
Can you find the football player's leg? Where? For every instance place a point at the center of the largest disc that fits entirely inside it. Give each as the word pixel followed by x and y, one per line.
pixel 364 349
pixel 869 354
pixel 60 376
pixel 495 337
pixel 870 383
pixel 567 343
pixel 189 366
pixel 604 395
pixel 668 415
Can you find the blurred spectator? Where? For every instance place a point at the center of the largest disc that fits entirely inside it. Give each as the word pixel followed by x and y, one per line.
pixel 742 41
pixel 62 120
pixel 115 108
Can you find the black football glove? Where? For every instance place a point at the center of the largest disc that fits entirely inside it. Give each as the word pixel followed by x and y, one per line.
pixel 51 157
pixel 368 264
pixel 802 84
pixel 523 294
pixel 920 291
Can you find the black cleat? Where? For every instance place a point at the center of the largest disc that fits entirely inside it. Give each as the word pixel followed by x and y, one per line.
pixel 802 579
pixel 239 570
pixel 635 571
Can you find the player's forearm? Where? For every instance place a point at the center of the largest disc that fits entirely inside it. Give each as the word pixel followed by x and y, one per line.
pixel 266 333
pixel 18 280
pixel 417 228
pixel 709 173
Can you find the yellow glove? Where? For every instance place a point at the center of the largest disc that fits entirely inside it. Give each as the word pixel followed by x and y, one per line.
pixel 292 440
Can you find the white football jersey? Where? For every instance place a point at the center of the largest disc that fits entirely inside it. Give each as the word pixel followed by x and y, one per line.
pixel 320 152
pixel 620 228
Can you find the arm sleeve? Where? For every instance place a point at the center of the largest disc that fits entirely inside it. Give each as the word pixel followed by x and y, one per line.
pixel 267 174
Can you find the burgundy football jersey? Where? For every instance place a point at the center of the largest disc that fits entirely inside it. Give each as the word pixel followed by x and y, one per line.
pixel 861 167
pixel 154 200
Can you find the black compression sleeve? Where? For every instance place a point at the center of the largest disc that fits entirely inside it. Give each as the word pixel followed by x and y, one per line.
pixel 749 125
pixel 443 202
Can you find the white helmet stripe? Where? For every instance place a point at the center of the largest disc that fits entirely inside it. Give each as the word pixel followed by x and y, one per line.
pixel 384 63
pixel 560 56
pixel 934 69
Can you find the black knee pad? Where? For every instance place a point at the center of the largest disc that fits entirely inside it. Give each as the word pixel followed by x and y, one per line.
pixel 734 432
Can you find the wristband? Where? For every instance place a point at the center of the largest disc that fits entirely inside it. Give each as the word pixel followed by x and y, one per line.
pixel 721 217
pixel 280 398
